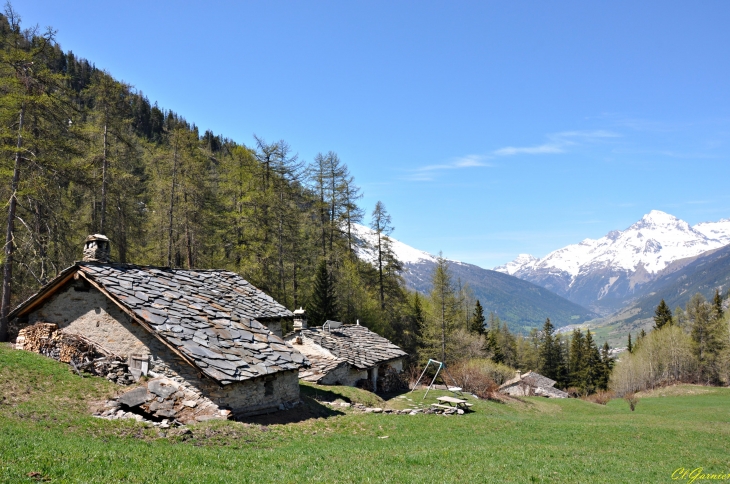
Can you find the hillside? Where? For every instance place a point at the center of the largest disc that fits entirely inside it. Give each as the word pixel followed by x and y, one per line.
pixel 521 304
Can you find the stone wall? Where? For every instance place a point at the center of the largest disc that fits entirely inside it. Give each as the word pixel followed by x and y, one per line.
pixel 345 375
pixel 78 308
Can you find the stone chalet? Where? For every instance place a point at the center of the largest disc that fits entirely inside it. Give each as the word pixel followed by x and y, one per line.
pixel 209 330
pixel 531 384
pixel 343 354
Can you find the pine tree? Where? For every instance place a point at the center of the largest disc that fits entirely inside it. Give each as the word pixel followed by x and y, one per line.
pixel 443 298
pixel 606 367
pixel 477 319
pixel 630 347
pixel 550 355
pixel 662 316
pixel 323 305
pixel 717 305
pixel 493 339
pixel 576 360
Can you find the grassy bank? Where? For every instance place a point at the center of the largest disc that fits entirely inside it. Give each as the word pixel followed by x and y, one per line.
pixel 46 432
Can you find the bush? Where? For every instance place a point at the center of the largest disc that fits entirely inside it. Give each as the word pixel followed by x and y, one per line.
pixel 475 376
pixel 601 397
pixel 632 400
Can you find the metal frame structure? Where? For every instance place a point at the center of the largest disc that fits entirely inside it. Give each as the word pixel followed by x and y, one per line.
pixel 441 366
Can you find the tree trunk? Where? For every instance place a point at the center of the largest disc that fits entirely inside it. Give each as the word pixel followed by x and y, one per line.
pixel 9 242
pixel 172 203
pixel 104 167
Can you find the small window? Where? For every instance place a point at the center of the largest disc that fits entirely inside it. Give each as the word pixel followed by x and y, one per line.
pixel 139 365
pixel 269 387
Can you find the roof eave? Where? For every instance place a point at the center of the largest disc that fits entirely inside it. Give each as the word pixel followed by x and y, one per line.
pixel 46 291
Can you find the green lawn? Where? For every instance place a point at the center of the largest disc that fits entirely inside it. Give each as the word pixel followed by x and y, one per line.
pixel 46 431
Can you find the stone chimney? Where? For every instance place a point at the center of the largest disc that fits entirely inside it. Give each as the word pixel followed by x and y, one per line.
pixel 300 319
pixel 96 249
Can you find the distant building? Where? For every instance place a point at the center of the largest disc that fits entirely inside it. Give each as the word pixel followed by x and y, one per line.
pixel 344 354
pixel 531 384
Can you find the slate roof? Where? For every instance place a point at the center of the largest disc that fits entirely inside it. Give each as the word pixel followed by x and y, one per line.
pixel 542 384
pixel 530 378
pixel 320 366
pixel 209 316
pixel 355 344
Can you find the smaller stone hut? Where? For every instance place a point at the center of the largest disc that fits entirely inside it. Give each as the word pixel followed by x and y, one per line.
pixel 345 354
pixel 531 384
pixel 207 331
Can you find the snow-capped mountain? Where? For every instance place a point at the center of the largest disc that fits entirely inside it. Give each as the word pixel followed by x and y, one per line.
pixel 521 304
pixel 604 274
pixel 404 253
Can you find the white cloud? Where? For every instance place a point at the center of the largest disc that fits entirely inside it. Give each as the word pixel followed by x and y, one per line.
pixel 547 148
pixel 559 142
pixel 427 173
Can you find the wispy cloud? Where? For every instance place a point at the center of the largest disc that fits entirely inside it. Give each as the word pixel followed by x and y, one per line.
pixel 558 143
pixel 428 172
pixel 547 148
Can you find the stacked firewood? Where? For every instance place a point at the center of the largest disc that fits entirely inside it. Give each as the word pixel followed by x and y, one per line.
pixel 83 355
pixel 48 340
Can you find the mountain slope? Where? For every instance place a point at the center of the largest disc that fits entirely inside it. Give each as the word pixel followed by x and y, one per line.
pixel 702 274
pixel 605 274
pixel 521 304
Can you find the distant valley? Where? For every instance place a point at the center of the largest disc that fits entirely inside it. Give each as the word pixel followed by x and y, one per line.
pixel 611 284
pixel 522 304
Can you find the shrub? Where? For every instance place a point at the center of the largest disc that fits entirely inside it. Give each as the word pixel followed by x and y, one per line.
pixel 632 400
pixel 574 392
pixel 601 397
pixel 474 376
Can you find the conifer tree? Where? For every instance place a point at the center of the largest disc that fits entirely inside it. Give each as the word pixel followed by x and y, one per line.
pixel 550 355
pixel 630 347
pixel 493 339
pixel 477 319
pixel 662 316
pixel 717 305
pixel 577 360
pixel 323 305
pixel 606 367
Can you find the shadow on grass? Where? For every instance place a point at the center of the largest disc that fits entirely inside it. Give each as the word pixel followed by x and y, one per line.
pixel 310 408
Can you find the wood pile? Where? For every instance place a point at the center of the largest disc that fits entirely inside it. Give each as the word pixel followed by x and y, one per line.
pixel 48 340
pixel 83 355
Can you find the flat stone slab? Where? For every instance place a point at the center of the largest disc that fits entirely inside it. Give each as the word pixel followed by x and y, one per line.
pixel 134 398
pixel 161 388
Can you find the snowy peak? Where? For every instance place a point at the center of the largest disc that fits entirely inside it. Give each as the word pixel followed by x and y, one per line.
pixel 615 264
pixel 653 242
pixel 657 220
pixel 719 230
pixel 404 253
pixel 521 262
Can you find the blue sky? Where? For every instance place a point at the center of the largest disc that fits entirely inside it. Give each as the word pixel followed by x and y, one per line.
pixel 487 129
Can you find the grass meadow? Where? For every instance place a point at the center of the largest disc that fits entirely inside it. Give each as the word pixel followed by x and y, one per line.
pixel 47 434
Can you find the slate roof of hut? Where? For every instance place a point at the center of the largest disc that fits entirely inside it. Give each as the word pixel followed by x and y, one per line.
pixel 530 378
pixel 543 384
pixel 208 316
pixel 355 344
pixel 320 366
